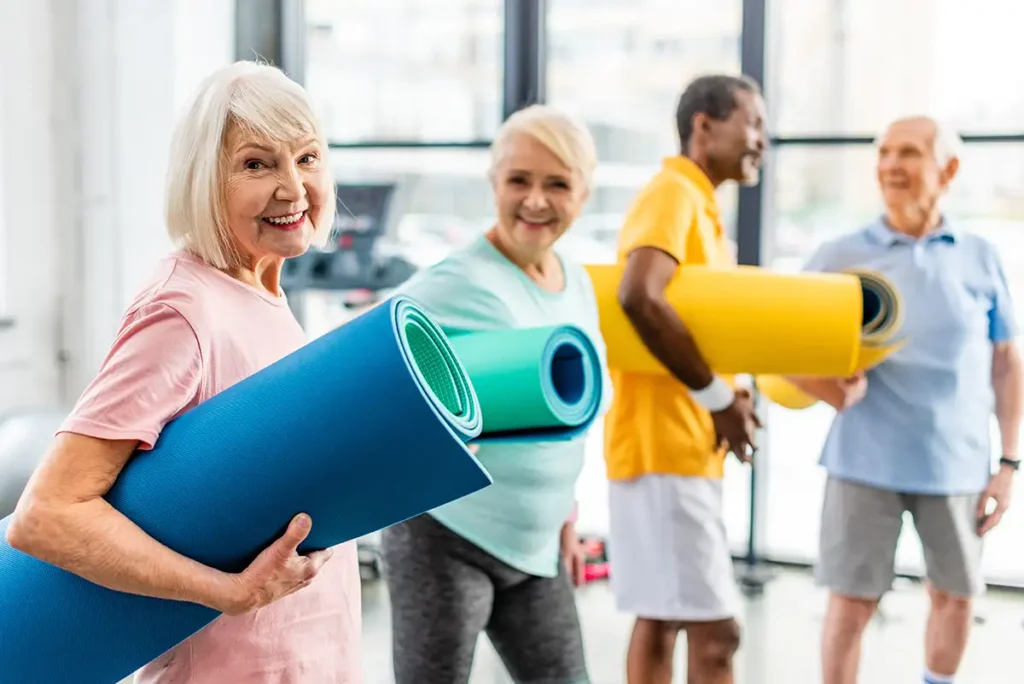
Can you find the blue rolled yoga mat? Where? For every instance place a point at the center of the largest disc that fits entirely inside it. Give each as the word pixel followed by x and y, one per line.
pixel 362 428
pixel 534 384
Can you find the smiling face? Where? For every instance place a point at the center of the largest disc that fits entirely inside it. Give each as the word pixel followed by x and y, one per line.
pixel 910 176
pixel 274 194
pixel 735 145
pixel 537 196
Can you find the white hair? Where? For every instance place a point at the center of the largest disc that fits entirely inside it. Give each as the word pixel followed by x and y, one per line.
pixel 947 144
pixel 262 100
pixel 566 137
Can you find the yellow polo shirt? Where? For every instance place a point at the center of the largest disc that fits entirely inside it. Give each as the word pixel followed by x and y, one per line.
pixel 653 424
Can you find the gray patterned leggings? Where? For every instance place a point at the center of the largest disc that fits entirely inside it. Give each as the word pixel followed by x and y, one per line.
pixel 445 591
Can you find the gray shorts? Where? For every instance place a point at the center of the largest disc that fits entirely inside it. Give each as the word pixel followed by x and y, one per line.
pixel 860 526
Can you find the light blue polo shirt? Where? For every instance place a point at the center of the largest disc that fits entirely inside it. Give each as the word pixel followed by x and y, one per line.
pixel 517 519
pixel 924 424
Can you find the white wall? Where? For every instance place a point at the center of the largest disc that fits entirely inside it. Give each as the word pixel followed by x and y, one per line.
pixel 28 352
pixel 90 91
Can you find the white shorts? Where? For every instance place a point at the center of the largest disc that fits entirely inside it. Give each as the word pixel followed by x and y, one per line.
pixel 668 549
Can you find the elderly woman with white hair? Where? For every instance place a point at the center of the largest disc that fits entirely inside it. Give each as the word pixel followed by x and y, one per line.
pixel 504 560
pixel 249 186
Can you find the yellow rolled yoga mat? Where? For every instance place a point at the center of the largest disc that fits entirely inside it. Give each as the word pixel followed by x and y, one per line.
pixel 882 319
pixel 750 320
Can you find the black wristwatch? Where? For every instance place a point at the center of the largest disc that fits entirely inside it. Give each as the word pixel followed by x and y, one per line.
pixel 1011 463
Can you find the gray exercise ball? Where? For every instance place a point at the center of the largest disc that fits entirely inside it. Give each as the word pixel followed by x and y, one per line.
pixel 25 437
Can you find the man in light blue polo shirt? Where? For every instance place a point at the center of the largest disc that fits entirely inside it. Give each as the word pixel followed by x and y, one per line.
pixel 913 434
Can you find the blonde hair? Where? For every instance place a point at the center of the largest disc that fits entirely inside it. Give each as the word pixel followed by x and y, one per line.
pixel 566 137
pixel 261 100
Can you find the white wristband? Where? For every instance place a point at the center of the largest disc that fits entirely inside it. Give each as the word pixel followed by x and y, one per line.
pixel 716 396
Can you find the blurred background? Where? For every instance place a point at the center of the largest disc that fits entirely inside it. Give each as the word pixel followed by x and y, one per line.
pixel 413 90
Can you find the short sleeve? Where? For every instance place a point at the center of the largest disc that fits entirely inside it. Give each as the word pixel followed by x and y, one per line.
pixel 1002 322
pixel 456 299
pixel 152 373
pixel 661 218
pixel 822 260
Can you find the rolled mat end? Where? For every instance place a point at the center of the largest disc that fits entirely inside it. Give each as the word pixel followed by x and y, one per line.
pixel 535 384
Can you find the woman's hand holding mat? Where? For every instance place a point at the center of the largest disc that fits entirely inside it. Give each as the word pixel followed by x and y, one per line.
pixel 279 571
pixel 65 512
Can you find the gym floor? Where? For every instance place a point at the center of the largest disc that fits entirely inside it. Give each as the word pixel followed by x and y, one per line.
pixel 781 633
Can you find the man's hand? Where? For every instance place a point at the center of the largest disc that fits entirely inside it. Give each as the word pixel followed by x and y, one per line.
pixel 852 390
pixel 735 426
pixel 999 490
pixel 572 555
pixel 839 393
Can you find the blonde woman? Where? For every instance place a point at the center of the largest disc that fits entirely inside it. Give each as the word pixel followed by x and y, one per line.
pixel 249 187
pixel 504 560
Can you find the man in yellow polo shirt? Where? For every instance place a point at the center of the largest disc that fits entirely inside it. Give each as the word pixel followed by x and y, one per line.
pixel 667 436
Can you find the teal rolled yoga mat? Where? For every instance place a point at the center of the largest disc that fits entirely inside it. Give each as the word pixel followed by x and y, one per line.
pixel 362 428
pixel 534 384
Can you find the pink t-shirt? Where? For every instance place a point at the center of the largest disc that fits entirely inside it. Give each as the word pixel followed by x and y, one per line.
pixel 190 333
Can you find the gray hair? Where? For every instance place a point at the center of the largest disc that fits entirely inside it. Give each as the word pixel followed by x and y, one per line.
pixel 947 144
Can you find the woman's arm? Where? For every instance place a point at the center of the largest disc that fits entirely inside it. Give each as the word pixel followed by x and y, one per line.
pixel 63 519
pixel 152 373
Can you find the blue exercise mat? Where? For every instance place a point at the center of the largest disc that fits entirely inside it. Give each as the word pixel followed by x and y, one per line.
pixel 538 384
pixel 362 428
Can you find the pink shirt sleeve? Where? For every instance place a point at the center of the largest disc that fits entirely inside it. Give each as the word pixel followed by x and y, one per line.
pixel 151 374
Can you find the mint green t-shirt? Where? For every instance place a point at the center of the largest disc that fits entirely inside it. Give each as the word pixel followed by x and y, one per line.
pixel 518 519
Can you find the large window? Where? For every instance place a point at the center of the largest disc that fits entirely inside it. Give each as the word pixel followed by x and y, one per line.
pixel 820 193
pixel 621 66
pixel 840 67
pixel 411 70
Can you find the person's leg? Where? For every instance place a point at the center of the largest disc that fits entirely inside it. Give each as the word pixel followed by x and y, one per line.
pixel 709 601
pixel 439 602
pixel 672 568
pixel 637 543
pixel 640 553
pixel 846 618
pixel 535 629
pixel 860 527
pixel 710 650
pixel 952 550
pixel 652 647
